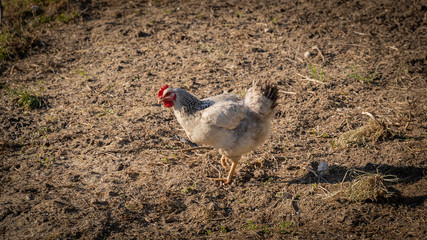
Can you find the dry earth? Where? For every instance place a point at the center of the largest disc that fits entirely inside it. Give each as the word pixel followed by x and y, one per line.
pixel 101 159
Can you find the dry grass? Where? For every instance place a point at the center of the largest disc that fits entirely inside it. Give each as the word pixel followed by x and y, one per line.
pixel 365 187
pixel 374 131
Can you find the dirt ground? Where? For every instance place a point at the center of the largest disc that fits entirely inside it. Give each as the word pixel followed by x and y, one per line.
pixel 101 159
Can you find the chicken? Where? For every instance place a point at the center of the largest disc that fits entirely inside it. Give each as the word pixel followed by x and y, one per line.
pixel 232 125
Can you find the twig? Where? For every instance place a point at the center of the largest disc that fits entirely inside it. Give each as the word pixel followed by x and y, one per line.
pixel 277 157
pixel 310 79
pixel 111 155
pixel 124 150
pixel 315 174
pixel 219 171
pixel 292 93
pixel 320 52
pixel 370 115
pixel 361 34
pixel 195 148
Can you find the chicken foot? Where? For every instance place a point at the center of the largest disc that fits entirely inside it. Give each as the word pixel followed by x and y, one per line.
pixel 230 174
pixel 224 162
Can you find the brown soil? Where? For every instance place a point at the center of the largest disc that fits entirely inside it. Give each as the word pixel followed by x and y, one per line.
pixel 101 159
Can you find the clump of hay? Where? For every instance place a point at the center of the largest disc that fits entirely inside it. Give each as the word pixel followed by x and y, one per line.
pixel 374 131
pixel 365 187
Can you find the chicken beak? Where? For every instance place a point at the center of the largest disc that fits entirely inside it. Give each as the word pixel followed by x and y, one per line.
pixel 160 100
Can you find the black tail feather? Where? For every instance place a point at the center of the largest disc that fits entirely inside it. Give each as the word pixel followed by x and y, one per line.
pixel 271 92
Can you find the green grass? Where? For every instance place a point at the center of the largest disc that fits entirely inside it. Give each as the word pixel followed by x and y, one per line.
pixel 44 19
pixel 66 18
pixel 274 20
pixel 28 100
pixel 189 189
pixel 25 98
pixel 5 44
pixel 285 227
pixel 317 72
pixel 361 75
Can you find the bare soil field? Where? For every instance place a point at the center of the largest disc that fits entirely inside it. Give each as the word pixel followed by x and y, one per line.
pixel 88 153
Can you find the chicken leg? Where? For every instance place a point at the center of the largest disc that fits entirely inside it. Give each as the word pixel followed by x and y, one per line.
pixel 224 162
pixel 230 174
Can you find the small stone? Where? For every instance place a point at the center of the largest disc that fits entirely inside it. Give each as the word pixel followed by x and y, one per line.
pixel 143 34
pixel 268 30
pixel 323 168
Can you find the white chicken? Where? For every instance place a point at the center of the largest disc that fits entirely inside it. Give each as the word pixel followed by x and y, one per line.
pixel 232 125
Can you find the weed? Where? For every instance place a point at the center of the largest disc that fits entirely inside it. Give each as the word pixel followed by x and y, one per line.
pixel 284 227
pixel 201 16
pixel 5 41
pixel 208 232
pixel 266 228
pixel 189 189
pixel 317 72
pixel 270 180
pixel 363 76
pixel 250 226
pixel 26 98
pixel 223 229
pixel 66 18
pixel 167 12
pixel 44 19
pixel 80 72
pixel 274 20
pixel 45 157
pixel 150 23
pixel 333 144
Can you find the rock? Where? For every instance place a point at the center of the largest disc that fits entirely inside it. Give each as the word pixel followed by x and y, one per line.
pixel 323 168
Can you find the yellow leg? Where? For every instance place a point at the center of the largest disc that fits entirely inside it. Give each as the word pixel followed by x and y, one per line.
pixel 224 162
pixel 230 174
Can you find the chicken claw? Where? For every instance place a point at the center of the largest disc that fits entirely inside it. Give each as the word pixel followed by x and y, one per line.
pixel 230 174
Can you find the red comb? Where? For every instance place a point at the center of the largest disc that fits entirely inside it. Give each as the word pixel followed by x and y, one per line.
pixel 160 94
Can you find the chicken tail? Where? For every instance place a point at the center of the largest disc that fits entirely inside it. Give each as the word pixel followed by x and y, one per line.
pixel 262 97
pixel 271 92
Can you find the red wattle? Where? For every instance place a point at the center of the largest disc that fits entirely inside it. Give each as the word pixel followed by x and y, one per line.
pixel 168 104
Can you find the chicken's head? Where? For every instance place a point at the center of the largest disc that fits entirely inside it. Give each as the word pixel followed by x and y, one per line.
pixel 167 96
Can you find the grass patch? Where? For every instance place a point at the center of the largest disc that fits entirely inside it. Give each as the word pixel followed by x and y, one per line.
pixel 28 100
pixel 25 98
pixel 374 131
pixel 23 20
pixel 66 18
pixel 365 187
pixel 5 44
